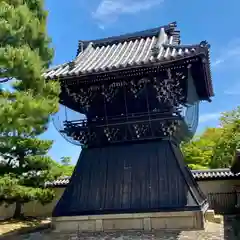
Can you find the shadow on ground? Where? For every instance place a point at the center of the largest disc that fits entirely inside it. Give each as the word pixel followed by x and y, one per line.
pixel 11 228
pixel 232 227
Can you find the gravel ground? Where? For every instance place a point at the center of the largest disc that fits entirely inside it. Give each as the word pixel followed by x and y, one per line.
pixel 226 231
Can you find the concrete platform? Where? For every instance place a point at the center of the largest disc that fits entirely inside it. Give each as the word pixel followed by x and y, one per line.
pixel 189 220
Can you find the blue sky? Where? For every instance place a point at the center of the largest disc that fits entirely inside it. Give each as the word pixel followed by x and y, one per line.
pixel 212 20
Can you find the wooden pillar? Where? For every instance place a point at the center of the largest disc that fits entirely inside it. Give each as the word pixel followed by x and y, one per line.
pixel 237 188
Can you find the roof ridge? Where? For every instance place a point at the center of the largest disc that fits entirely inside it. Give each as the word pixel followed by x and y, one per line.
pixel 181 45
pixel 170 30
pixel 54 67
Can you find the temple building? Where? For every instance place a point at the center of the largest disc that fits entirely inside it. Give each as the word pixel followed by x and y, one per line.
pixel 140 95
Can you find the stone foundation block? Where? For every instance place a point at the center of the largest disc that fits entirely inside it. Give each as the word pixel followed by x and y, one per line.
pixel 193 220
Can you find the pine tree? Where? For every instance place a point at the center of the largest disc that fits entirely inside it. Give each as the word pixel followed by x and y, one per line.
pixel 25 112
pixel 24 44
pixel 65 161
pixel 25 168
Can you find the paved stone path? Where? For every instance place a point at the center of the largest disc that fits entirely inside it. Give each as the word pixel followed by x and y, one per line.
pixel 226 231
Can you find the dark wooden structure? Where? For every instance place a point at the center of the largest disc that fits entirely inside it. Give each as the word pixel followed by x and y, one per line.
pixel 140 94
pixel 235 168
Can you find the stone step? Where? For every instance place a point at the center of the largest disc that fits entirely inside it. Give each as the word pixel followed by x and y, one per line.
pixel 210 216
pixel 218 219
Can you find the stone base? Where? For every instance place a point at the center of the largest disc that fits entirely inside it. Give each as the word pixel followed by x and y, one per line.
pixel 212 217
pixel 189 220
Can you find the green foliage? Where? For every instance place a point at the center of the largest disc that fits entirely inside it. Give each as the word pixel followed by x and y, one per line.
pixel 13 190
pixel 24 44
pixel 65 167
pixel 65 161
pixel 199 151
pixel 25 168
pixel 216 147
pixel 229 141
pixel 25 112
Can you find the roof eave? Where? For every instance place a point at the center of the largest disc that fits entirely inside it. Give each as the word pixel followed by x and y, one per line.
pixel 204 52
pixel 164 63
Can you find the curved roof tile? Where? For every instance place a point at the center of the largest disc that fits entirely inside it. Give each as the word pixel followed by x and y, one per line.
pixel 130 50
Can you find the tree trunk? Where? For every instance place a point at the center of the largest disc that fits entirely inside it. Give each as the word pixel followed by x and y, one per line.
pixel 18 210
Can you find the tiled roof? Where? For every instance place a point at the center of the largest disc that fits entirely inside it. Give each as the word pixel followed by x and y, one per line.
pixel 170 29
pixel 127 51
pixel 197 174
pixel 213 174
pixel 60 182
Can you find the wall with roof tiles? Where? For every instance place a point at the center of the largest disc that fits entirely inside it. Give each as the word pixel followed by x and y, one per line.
pixel 33 209
pixel 37 210
pixel 218 186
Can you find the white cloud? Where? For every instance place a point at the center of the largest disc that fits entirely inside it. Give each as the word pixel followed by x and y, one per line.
pixel 217 62
pixel 109 10
pixel 209 117
pixel 230 53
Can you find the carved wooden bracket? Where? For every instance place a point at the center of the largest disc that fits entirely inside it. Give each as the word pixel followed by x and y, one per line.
pixel 169 90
